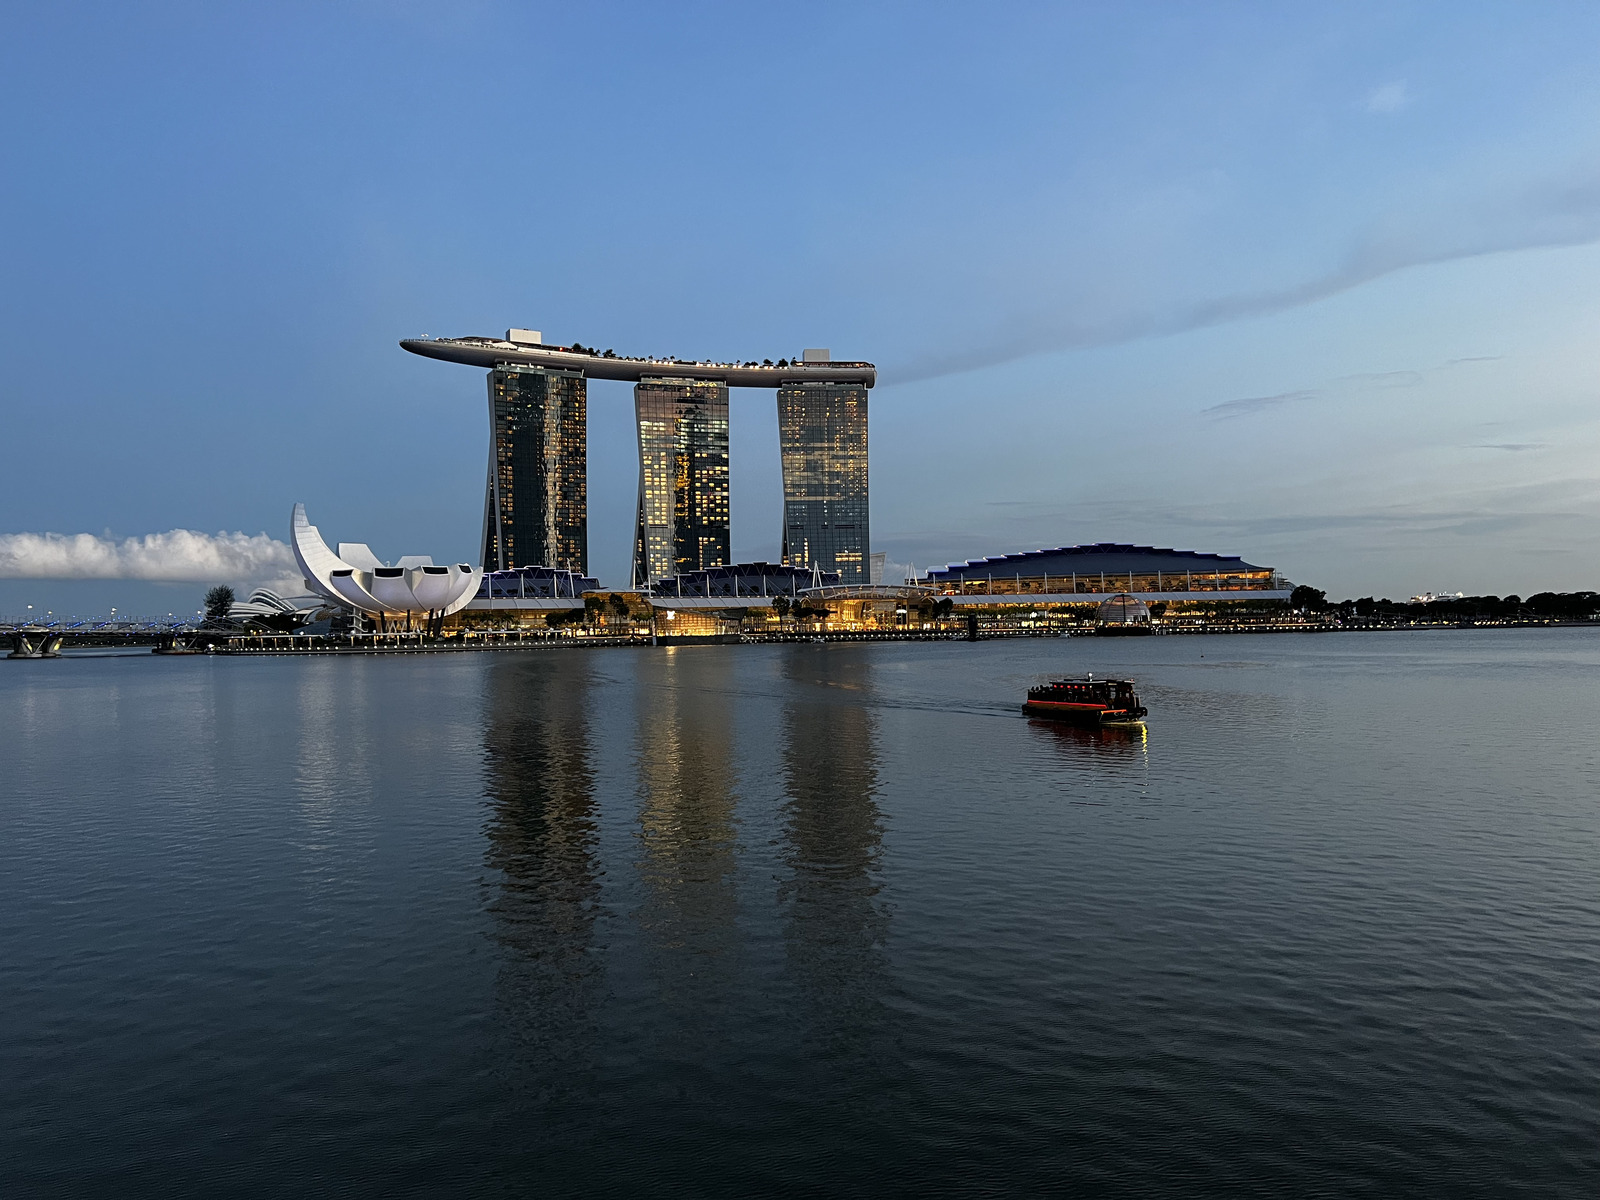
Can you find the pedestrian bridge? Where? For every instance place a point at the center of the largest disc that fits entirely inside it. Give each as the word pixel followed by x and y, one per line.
pixel 33 639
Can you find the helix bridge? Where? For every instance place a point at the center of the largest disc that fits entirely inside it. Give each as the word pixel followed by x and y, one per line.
pixel 46 639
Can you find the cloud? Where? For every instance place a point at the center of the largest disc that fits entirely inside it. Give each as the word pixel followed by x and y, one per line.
pixel 1249 405
pixel 1391 97
pixel 1470 510
pixel 180 555
pixel 1475 358
pixel 1556 211
pixel 1514 447
pixel 1366 379
pixel 1385 379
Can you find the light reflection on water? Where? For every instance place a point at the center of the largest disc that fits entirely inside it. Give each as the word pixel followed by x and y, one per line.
pixel 747 919
pixel 836 921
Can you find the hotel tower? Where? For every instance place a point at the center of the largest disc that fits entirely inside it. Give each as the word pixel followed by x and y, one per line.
pixel 822 435
pixel 683 477
pixel 536 507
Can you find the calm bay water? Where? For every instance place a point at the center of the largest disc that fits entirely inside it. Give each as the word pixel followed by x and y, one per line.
pixel 813 919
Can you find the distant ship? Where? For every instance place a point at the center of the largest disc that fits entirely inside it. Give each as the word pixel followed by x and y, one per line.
pixel 1098 703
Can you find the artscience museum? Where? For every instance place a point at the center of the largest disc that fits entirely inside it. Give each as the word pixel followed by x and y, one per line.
pixel 353 577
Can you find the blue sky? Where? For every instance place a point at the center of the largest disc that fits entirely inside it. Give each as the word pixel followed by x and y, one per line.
pixel 1317 286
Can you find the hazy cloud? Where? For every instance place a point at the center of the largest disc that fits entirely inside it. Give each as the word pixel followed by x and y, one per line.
pixel 1391 97
pixel 1556 211
pixel 1369 379
pixel 1252 404
pixel 1512 446
pixel 1540 504
pixel 179 555
pixel 1385 379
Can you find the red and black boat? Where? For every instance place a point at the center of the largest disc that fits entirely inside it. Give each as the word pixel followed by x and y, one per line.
pixel 1097 703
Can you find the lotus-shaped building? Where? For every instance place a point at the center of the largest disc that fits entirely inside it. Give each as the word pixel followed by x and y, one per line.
pixel 356 579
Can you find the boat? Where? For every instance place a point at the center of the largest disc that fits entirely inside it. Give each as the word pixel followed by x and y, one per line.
pixel 1098 703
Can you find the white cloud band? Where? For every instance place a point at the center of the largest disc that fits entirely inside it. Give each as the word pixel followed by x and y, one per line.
pixel 179 555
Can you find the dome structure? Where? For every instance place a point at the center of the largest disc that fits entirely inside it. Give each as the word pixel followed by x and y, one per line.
pixel 1123 609
pixel 355 578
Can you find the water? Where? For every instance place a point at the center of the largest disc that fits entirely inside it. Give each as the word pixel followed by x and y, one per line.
pixel 824 920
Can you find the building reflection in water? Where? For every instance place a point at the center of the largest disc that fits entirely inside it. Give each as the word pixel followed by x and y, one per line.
pixel 687 828
pixel 543 835
pixel 335 725
pixel 836 920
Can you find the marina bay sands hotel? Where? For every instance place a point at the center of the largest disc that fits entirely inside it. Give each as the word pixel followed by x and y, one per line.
pixel 536 500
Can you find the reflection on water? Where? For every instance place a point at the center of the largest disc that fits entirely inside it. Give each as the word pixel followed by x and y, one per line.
pixel 835 922
pixel 1103 745
pixel 543 841
pixel 326 748
pixel 1328 929
pixel 687 828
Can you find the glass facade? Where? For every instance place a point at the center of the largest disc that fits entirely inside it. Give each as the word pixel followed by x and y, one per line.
pixel 738 581
pixel 683 478
pixel 822 434
pixel 535 583
pixel 1023 583
pixel 536 508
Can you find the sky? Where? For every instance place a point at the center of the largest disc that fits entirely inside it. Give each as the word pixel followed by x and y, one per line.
pixel 1314 285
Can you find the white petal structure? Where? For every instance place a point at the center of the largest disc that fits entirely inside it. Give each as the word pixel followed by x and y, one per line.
pixel 356 578
pixel 433 586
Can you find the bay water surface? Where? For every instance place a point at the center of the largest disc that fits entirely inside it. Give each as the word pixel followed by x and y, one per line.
pixel 810 919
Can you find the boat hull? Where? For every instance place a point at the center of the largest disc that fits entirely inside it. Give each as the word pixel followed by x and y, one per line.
pixel 1092 716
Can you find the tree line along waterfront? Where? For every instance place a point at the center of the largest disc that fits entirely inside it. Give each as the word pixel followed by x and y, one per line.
pixel 1541 608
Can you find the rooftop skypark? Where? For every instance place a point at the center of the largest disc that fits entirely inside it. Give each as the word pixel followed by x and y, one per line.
pixel 526 347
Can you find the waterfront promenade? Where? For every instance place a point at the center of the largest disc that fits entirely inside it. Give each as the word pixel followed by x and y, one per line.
pixel 190 641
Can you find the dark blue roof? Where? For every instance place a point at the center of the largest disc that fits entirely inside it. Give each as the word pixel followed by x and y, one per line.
pixel 1108 557
pixel 740 579
pixel 536 583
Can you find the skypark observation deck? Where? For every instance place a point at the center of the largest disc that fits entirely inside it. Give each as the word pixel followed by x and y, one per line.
pixel 1089 574
pixel 489 353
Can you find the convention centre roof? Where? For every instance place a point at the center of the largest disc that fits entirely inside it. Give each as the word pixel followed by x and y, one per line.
pixel 1112 558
